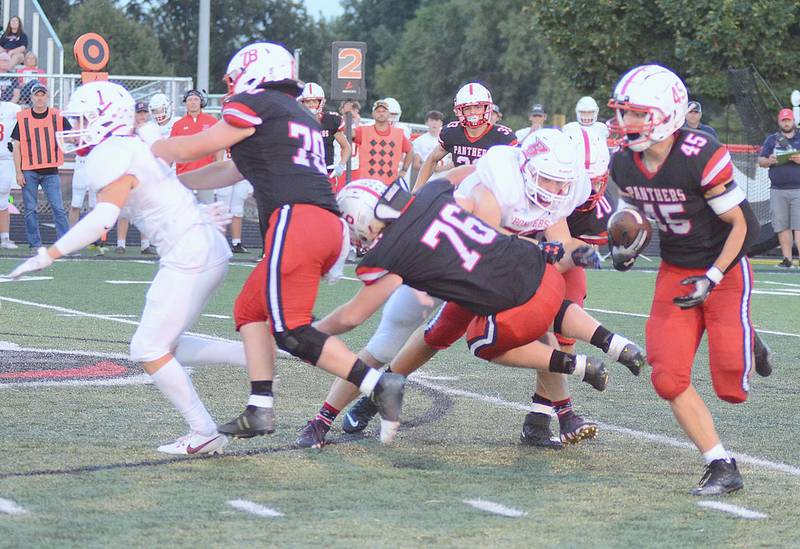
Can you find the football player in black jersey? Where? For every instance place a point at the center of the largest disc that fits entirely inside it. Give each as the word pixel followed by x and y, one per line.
pixel 277 145
pixel 471 135
pixel 313 97
pixel 683 179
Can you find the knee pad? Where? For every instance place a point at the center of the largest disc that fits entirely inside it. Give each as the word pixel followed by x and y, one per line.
pixel 667 385
pixel 559 319
pixel 305 342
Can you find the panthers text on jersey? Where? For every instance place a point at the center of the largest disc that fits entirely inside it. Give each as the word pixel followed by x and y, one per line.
pixel 467 150
pixel 691 234
pixel 592 226
pixel 284 159
pixel 498 170
pixel 438 248
pixel 331 123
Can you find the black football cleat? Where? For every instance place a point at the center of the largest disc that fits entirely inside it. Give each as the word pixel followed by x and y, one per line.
pixel 359 416
pixel 627 353
pixel 763 356
pixel 238 249
pixel 596 373
pixel 721 477
pixel 254 421
pixel 575 429
pixel 388 398
pixel 313 434
pixel 536 432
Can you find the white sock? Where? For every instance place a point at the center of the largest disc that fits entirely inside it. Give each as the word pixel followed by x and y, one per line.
pixel 145 243
pixel 260 401
pixel 370 381
pixel 199 351
pixel 616 346
pixel 4 237
pixel 717 452
pixel 173 381
pixel 542 409
pixel 120 243
pixel 236 241
pixel 580 366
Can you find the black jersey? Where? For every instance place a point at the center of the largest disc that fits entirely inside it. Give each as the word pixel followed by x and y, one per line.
pixel 691 234
pixel 284 158
pixel 467 150
pixel 438 248
pixel 592 226
pixel 331 123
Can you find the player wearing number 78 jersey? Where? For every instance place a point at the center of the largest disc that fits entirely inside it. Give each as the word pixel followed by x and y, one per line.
pixel 684 180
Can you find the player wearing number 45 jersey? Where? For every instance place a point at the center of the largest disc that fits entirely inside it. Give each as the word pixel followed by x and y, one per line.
pixel 684 180
pixel 277 145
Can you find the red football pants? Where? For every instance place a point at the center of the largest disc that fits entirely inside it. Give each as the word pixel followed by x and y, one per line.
pixel 673 334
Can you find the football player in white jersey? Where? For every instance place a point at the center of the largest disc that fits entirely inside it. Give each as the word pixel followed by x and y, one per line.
pixel 194 254
pixel 586 111
pixel 523 190
pixel 8 118
pixel 161 113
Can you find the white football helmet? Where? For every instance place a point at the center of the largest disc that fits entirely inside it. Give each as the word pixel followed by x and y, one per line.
pixel 548 153
pixel 473 94
pixel 660 98
pixel 160 108
pixel 394 110
pixel 258 63
pixel 365 201
pixel 313 92
pixel 593 155
pixel 96 111
pixel 586 111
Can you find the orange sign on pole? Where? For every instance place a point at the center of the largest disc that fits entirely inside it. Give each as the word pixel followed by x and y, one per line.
pixel 92 53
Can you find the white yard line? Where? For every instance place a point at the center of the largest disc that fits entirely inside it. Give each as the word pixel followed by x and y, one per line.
pixel 8 507
pixel 642 435
pixel 254 508
pixel 26 279
pixel 742 512
pixel 495 508
pixel 125 282
pixel 779 283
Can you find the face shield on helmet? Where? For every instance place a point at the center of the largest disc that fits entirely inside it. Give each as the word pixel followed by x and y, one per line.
pixel 650 104
pixel 394 110
pixel 96 111
pixel 593 155
pixel 586 111
pixel 313 92
pixel 260 63
pixel 472 95
pixel 160 108
pixel 549 166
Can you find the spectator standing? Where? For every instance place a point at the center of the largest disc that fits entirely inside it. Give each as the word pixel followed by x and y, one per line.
pixel 426 143
pixel 30 69
pixel 497 114
pixel 9 85
pixel 382 146
pixel 37 158
pixel 194 122
pixel 693 119
pixel 537 117
pixel 14 41
pixel 784 177
pixel 8 118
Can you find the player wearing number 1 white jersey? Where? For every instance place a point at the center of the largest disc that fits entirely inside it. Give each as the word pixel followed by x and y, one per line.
pixel 194 254
pixel 8 118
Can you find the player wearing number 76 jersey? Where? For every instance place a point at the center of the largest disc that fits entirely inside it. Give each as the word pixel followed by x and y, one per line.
pixel 684 180
pixel 277 145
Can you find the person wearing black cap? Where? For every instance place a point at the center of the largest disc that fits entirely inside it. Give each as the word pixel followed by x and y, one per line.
pixel 538 117
pixel 693 119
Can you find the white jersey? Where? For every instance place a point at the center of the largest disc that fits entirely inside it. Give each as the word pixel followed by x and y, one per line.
pixel 573 129
pixel 522 134
pixel 159 205
pixel 8 119
pixel 498 170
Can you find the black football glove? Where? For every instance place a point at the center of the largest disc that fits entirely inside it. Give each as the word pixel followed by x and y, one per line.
pixel 702 287
pixel 586 256
pixel 552 251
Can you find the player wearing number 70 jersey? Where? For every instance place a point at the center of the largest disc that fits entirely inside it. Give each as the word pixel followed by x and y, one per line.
pixel 277 145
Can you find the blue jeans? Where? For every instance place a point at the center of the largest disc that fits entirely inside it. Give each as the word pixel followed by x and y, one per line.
pixel 51 185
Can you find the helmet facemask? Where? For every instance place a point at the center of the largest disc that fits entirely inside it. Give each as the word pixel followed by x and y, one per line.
pixel 637 130
pixel 547 199
pixel 474 120
pixel 599 185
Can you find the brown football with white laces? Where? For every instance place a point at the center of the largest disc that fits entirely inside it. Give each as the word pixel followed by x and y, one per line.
pixel 626 226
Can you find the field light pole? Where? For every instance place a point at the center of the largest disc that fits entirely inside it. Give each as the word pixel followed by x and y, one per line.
pixel 203 34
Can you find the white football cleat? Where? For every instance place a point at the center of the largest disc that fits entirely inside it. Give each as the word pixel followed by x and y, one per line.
pixel 9 245
pixel 195 444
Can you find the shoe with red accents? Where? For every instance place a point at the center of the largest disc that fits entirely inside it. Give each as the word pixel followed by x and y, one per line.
pixel 196 444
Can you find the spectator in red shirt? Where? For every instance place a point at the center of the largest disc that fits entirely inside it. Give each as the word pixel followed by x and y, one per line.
pixel 194 122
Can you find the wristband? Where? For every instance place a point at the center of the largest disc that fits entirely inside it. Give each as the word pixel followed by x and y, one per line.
pixel 714 275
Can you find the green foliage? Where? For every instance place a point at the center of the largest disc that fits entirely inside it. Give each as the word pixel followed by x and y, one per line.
pixel 133 50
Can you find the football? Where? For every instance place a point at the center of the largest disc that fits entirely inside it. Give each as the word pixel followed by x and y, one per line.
pixel 626 226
